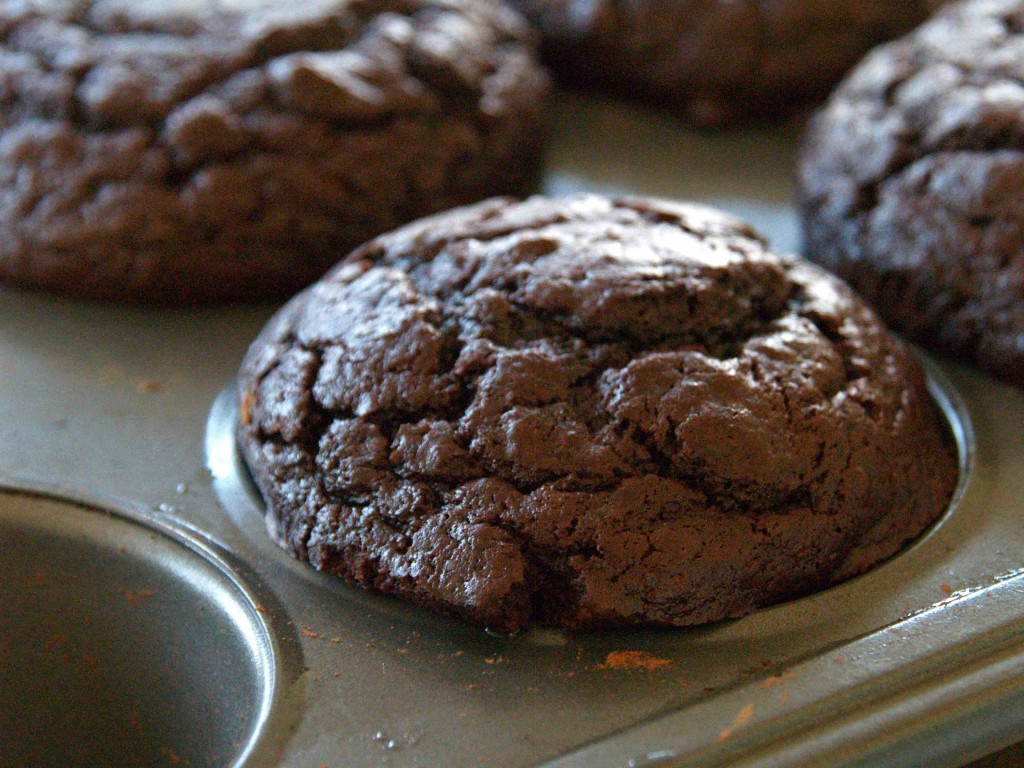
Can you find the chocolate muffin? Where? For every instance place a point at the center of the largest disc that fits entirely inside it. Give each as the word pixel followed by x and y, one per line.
pixel 912 182
pixel 717 63
pixel 196 152
pixel 588 412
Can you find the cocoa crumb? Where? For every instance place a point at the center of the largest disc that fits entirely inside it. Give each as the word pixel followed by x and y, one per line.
pixel 307 632
pixel 147 386
pixel 772 680
pixel 741 719
pixel 246 406
pixel 135 595
pixel 634 660
pixel 946 588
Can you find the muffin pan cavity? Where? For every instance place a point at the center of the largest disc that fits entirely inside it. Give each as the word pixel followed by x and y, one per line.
pixel 125 643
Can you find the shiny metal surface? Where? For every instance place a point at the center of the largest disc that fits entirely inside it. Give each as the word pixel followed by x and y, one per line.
pixel 917 663
pixel 125 642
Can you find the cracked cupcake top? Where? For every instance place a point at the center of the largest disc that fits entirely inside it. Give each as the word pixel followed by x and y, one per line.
pixel 198 151
pixel 911 181
pixel 585 412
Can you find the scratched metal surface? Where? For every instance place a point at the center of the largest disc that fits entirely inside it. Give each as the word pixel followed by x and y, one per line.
pixel 123 412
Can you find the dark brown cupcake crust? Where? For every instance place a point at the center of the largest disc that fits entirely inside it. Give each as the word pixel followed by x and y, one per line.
pixel 912 179
pixel 588 412
pixel 717 63
pixel 195 152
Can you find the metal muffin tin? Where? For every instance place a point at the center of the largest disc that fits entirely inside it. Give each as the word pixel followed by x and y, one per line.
pixel 146 618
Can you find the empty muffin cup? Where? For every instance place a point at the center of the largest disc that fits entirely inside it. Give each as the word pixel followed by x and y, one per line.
pixel 124 642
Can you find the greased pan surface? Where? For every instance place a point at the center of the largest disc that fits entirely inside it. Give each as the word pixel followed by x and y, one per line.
pixel 918 662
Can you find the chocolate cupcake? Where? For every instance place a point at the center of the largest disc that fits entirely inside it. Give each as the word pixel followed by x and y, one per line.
pixel 911 182
pixel 588 412
pixel 199 152
pixel 717 63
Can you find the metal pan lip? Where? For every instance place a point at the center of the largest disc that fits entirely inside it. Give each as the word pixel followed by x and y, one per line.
pixel 881 713
pixel 957 419
pixel 244 504
pixel 259 748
